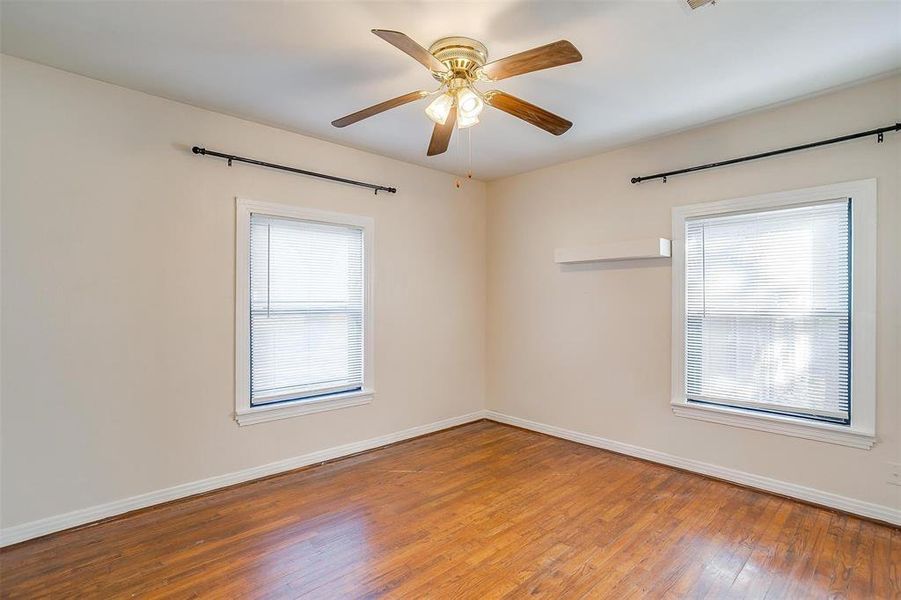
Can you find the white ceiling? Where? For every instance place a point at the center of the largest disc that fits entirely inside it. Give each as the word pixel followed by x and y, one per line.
pixel 650 67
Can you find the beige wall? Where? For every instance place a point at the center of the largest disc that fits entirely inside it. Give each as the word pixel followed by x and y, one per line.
pixel 588 349
pixel 118 292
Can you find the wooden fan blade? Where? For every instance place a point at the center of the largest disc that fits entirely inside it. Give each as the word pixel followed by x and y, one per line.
pixel 380 107
pixel 441 134
pixel 535 115
pixel 536 59
pixel 403 43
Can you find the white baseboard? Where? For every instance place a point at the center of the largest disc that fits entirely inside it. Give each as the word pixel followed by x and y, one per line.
pixel 33 529
pixel 857 507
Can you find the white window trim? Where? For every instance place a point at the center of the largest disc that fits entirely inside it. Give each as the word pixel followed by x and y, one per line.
pixel 245 414
pixel 861 433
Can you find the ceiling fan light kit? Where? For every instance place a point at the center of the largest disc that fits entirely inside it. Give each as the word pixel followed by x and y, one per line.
pixel 469 104
pixel 440 108
pixel 458 63
pixel 464 121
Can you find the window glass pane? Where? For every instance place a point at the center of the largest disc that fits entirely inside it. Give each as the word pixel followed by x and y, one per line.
pixel 768 310
pixel 306 317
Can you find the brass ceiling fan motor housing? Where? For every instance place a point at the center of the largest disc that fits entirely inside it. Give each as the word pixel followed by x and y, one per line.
pixel 461 55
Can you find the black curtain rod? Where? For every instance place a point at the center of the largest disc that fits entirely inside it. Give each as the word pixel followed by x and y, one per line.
pixel 251 161
pixel 877 132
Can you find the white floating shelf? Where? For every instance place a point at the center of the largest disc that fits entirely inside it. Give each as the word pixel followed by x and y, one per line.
pixel 631 250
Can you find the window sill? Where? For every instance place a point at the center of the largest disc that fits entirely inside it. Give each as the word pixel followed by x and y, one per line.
pixel 811 430
pixel 285 410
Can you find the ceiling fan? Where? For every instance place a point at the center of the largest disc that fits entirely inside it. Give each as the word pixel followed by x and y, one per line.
pixel 458 63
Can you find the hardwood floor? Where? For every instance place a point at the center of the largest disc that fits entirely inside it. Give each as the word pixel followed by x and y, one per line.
pixel 480 511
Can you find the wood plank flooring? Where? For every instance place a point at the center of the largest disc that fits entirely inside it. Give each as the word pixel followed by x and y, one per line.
pixel 480 511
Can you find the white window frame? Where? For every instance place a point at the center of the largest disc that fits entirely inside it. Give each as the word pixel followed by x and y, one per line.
pixel 861 432
pixel 245 412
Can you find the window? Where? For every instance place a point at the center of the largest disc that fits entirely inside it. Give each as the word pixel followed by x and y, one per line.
pixel 302 312
pixel 773 312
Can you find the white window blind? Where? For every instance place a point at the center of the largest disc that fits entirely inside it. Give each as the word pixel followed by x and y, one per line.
pixel 306 309
pixel 768 310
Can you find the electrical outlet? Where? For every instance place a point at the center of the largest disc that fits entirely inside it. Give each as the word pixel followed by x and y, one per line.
pixel 894 473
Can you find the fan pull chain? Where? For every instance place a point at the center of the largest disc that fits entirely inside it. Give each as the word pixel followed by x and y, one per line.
pixel 458 183
pixel 469 143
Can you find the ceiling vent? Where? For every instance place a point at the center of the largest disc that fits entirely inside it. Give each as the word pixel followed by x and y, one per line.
pixel 699 3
